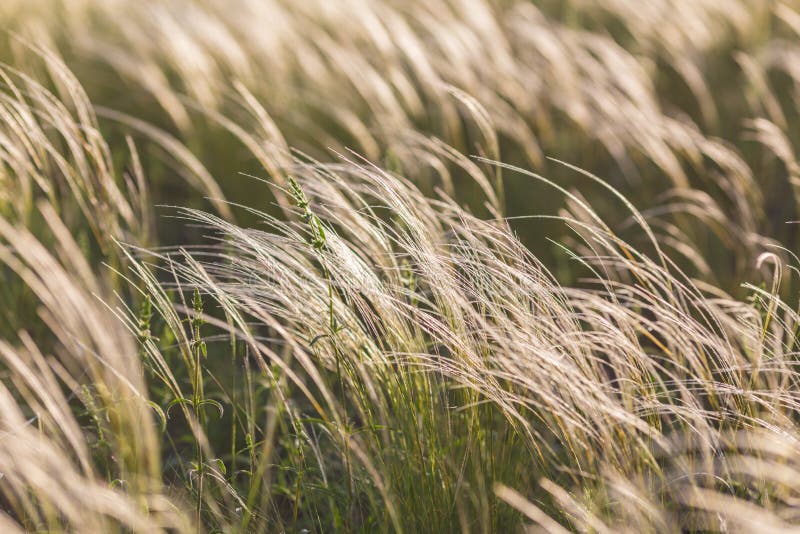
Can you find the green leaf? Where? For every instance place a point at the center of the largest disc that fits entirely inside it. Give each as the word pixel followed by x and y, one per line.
pixel 212 402
pixel 220 465
pixel 175 402
pixel 162 417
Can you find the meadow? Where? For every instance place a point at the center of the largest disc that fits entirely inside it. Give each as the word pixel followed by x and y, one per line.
pixel 399 266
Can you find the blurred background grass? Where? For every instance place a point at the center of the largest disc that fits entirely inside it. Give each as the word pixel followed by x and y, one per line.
pixel 688 64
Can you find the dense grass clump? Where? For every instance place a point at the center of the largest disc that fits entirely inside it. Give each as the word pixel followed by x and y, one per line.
pixel 418 266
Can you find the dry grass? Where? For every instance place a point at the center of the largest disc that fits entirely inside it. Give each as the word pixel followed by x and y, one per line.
pixel 421 319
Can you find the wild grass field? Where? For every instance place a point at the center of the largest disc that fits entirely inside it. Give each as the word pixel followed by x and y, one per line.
pixel 399 266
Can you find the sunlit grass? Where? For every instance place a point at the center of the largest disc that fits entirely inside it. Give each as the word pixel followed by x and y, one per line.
pixel 478 266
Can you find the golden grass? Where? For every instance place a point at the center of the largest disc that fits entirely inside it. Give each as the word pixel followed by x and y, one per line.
pixel 375 333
